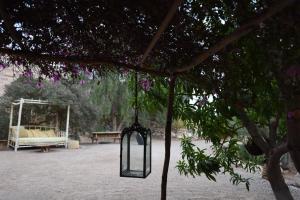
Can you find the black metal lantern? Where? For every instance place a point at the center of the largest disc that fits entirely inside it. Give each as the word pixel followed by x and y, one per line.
pixel 135 148
pixel 135 152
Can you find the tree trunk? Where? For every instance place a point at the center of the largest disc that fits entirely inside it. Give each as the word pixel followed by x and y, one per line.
pixel 273 130
pixel 279 187
pixel 120 125
pixel 293 127
pixel 168 139
pixel 57 122
pixel 114 122
pixel 114 112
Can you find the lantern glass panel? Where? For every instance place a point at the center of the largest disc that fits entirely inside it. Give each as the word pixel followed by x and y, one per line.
pixel 124 153
pixel 148 154
pixel 136 154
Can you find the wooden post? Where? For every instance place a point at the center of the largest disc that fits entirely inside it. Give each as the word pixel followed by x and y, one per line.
pixel 19 123
pixel 168 138
pixel 10 123
pixel 67 126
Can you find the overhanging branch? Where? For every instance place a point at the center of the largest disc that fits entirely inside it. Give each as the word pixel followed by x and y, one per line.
pixel 161 29
pixel 108 62
pixel 237 34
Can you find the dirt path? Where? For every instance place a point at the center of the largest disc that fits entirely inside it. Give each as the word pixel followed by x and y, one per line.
pixel 92 173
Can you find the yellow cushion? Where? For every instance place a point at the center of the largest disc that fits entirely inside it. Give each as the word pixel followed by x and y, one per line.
pixel 30 133
pixel 26 133
pixel 23 133
pixel 42 133
pixel 35 133
pixel 50 133
pixel 14 130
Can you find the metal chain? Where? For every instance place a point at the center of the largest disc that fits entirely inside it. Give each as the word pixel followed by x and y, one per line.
pixel 136 97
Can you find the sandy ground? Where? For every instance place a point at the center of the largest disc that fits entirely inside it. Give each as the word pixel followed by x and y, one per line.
pixel 92 173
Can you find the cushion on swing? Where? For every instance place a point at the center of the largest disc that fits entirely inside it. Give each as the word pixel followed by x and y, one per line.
pixel 38 133
pixel 24 133
pixel 32 133
pixel 50 133
pixel 14 130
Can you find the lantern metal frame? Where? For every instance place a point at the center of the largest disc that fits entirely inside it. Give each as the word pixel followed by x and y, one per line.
pixel 146 135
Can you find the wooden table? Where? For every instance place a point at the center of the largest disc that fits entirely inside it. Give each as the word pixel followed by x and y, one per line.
pixel 115 135
pixel 3 144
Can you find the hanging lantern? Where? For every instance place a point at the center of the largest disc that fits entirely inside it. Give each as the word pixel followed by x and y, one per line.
pixel 135 152
pixel 135 148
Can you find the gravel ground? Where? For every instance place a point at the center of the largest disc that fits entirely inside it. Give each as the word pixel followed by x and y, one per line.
pixel 92 173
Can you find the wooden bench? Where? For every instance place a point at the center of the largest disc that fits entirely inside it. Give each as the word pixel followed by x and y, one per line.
pixel 114 135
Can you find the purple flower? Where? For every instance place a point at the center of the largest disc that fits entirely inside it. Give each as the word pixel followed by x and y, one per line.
pixel 27 73
pixel 87 73
pixel 39 85
pixel 75 70
pixel 19 62
pixel 55 77
pixel 145 84
pixel 81 82
pixel 2 66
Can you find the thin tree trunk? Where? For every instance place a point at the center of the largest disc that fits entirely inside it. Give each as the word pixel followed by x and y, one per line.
pixel 168 139
pixel 120 125
pixel 56 122
pixel 293 127
pixel 279 187
pixel 273 130
pixel 114 122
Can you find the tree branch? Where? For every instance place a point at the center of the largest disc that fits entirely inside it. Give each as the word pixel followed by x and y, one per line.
pixel 161 29
pixel 277 152
pixel 273 130
pixel 168 130
pixel 237 34
pixel 279 187
pixel 82 60
pixel 253 131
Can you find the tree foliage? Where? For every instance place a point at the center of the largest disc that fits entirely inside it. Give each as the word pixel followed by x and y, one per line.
pixel 114 97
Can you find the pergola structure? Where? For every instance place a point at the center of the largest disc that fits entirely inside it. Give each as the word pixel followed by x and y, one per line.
pixel 16 141
pixel 136 54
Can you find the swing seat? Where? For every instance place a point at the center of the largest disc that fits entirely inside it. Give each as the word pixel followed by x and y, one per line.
pixel 31 135
pixel 37 137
